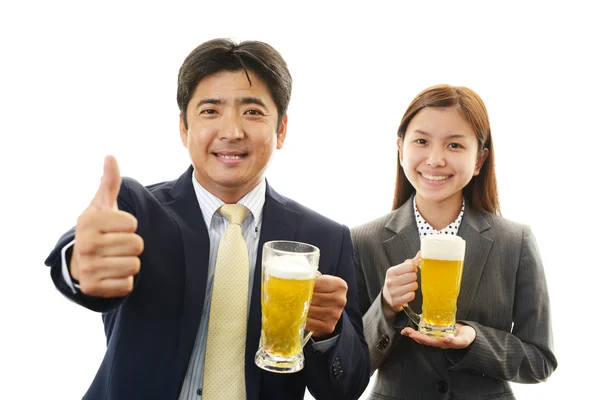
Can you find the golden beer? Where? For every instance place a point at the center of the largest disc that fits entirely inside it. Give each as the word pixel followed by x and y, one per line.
pixel 441 274
pixel 440 284
pixel 284 309
pixel 289 271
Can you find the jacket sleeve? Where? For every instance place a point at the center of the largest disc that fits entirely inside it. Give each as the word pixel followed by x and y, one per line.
pixel 54 261
pixel 342 372
pixel 524 355
pixel 382 336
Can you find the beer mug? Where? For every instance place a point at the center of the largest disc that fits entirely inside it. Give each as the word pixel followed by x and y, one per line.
pixel 289 270
pixel 441 264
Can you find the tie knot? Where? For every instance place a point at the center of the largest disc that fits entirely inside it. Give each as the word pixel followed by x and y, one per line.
pixel 235 213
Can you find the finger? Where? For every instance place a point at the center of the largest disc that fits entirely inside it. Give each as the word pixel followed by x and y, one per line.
pixel 406 267
pixel 108 287
pixel 427 340
pixel 110 267
pixel 107 221
pixel 111 244
pixel 330 284
pixel 325 313
pixel 318 327
pixel 417 257
pixel 401 280
pixel 110 184
pixel 337 299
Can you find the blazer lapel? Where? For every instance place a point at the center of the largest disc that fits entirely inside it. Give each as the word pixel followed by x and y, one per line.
pixel 478 248
pixel 278 223
pixel 196 247
pixel 401 242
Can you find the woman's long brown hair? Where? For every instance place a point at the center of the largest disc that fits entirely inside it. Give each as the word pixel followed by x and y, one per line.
pixel 481 192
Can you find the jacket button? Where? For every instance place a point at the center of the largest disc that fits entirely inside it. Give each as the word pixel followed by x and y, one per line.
pixel 199 392
pixel 442 387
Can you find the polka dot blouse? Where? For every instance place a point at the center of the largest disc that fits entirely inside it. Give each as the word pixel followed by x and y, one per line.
pixel 426 229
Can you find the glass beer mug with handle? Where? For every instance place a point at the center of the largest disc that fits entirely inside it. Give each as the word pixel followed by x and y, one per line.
pixel 289 270
pixel 441 264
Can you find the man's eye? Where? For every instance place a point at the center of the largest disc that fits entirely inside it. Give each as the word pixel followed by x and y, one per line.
pixel 208 111
pixel 254 113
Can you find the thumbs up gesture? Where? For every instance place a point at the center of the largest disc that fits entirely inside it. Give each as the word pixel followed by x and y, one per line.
pixel 105 255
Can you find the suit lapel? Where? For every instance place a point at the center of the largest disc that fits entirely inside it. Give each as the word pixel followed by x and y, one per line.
pixel 196 247
pixel 478 248
pixel 402 242
pixel 278 223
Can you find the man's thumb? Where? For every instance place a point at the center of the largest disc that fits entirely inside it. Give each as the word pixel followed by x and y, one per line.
pixel 106 197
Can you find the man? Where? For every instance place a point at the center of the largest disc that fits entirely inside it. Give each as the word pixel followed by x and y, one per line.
pixel 147 257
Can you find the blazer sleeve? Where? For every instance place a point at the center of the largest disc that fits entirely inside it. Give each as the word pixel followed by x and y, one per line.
pixel 524 355
pixel 54 261
pixel 381 335
pixel 342 372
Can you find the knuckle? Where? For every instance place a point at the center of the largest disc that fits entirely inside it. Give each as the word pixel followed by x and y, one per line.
pixel 86 245
pixel 135 265
pixel 86 267
pixel 137 244
pixel 87 287
pixel 129 221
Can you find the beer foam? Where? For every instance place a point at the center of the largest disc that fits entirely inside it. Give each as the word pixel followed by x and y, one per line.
pixel 290 267
pixel 443 247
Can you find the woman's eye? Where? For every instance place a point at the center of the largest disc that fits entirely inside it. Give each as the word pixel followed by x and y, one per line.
pixel 455 146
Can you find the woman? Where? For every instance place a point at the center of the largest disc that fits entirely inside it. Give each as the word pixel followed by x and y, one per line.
pixel 446 184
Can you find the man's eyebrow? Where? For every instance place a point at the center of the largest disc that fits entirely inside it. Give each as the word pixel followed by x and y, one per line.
pixel 242 100
pixel 209 100
pixel 251 100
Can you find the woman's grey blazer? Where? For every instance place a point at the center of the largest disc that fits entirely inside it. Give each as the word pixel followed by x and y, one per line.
pixel 503 296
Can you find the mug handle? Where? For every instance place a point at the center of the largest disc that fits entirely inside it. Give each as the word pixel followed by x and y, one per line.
pixel 307 335
pixel 414 317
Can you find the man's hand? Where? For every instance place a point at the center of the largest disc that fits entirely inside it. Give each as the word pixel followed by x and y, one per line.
pixel 328 302
pixel 105 255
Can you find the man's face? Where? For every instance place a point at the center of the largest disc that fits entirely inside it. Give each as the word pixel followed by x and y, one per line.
pixel 232 132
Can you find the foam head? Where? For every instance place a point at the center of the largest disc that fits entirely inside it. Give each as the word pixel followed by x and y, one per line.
pixel 443 247
pixel 290 267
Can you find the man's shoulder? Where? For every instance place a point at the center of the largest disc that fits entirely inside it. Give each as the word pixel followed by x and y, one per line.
pixel 159 190
pixel 307 215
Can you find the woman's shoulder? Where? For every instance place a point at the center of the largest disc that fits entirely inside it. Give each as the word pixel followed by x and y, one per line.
pixel 505 226
pixel 372 229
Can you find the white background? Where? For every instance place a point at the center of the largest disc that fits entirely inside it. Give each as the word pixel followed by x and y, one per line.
pixel 79 81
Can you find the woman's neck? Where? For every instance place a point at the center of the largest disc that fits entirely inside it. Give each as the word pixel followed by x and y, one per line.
pixel 440 214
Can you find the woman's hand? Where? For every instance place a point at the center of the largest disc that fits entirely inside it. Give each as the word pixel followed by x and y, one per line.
pixel 465 335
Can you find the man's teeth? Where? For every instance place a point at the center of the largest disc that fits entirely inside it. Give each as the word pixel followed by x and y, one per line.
pixel 436 178
pixel 230 156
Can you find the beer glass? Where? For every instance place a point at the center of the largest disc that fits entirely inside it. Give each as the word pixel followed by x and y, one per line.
pixel 289 270
pixel 441 264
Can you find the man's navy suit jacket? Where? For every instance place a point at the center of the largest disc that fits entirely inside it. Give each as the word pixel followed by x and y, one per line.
pixel 151 332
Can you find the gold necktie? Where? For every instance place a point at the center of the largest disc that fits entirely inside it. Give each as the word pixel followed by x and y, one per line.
pixel 224 372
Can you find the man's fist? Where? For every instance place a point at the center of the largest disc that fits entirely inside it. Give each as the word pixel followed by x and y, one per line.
pixel 105 255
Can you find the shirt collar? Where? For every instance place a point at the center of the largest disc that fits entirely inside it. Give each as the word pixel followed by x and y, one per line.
pixel 426 229
pixel 254 200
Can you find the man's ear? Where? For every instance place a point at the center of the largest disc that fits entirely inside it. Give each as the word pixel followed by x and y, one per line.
pixel 282 132
pixel 183 132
